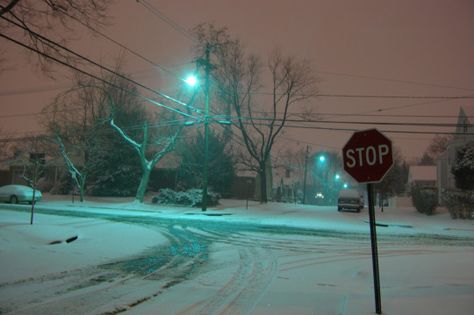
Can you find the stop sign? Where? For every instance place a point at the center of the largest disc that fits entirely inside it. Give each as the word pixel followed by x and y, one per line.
pixel 367 156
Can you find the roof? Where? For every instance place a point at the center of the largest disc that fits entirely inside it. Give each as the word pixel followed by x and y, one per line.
pixel 422 173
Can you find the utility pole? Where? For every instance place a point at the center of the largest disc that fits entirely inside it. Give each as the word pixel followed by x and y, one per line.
pixel 207 69
pixel 305 171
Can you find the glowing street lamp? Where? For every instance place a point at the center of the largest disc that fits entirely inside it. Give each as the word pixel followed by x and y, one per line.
pixel 322 158
pixel 191 80
pixel 337 177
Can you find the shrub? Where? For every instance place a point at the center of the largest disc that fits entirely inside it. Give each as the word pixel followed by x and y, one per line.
pixel 424 199
pixel 165 196
pixel 463 168
pixel 460 204
pixel 191 197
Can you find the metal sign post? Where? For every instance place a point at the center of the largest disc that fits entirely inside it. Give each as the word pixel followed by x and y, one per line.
pixel 375 254
pixel 368 157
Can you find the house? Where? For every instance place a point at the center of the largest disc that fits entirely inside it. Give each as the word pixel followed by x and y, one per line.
pixel 463 133
pixel 422 175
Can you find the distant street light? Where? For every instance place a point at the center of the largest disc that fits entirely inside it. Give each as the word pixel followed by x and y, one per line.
pixel 322 158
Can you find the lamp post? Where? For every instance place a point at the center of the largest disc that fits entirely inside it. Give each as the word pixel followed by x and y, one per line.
pixel 305 173
pixel 205 62
pixel 207 69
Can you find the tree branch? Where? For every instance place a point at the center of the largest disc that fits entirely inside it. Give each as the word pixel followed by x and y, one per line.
pixel 8 7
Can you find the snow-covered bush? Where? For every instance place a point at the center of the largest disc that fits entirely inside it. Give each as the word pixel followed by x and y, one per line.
pixel 463 168
pixel 460 204
pixel 165 196
pixel 191 197
pixel 424 199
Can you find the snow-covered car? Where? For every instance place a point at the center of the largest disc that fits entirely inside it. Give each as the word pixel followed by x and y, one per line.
pixel 19 193
pixel 351 200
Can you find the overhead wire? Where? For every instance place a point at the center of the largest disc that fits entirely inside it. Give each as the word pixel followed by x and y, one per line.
pixel 32 90
pixel 394 80
pixel 176 26
pixel 49 41
pixel 377 96
pixel 263 118
pixel 93 76
pixel 109 38
pixel 338 95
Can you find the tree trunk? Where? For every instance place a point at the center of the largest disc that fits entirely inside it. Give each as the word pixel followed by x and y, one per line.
pixel 263 185
pixel 33 205
pixel 143 185
pixel 82 187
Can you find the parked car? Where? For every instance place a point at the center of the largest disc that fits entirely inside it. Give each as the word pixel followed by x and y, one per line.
pixel 351 200
pixel 19 193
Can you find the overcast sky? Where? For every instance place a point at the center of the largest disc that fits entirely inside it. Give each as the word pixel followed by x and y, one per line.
pixel 408 47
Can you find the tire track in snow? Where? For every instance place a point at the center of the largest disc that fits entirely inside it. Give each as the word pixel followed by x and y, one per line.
pixel 239 295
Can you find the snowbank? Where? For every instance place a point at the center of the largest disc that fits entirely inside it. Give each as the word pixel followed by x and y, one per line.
pixel 42 248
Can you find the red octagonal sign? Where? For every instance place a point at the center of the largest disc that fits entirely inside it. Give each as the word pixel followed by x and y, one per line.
pixel 367 156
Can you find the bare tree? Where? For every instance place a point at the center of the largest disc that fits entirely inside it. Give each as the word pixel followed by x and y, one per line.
pixel 437 146
pixel 78 177
pixel 34 22
pixel 239 79
pixel 73 119
pixel 4 145
pixel 163 145
pixel 78 119
pixel 34 166
pixel 394 182
pixel 291 160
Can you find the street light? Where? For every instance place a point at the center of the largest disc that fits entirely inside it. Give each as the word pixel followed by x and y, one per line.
pixel 322 158
pixel 191 80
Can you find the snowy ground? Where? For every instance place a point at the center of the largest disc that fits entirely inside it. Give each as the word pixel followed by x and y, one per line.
pixel 289 275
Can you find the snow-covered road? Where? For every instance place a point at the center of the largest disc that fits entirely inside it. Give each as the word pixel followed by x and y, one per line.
pixel 194 264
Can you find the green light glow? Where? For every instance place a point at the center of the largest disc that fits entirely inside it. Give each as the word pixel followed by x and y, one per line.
pixel 191 80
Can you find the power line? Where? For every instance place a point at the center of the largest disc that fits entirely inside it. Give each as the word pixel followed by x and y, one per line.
pixel 32 90
pixel 395 80
pixel 379 96
pixel 443 97
pixel 375 115
pixel 133 52
pixel 405 106
pixel 187 34
pixel 311 143
pixel 167 97
pixel 176 26
pixel 39 113
pixel 321 121
pixel 94 76
pixel 385 131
